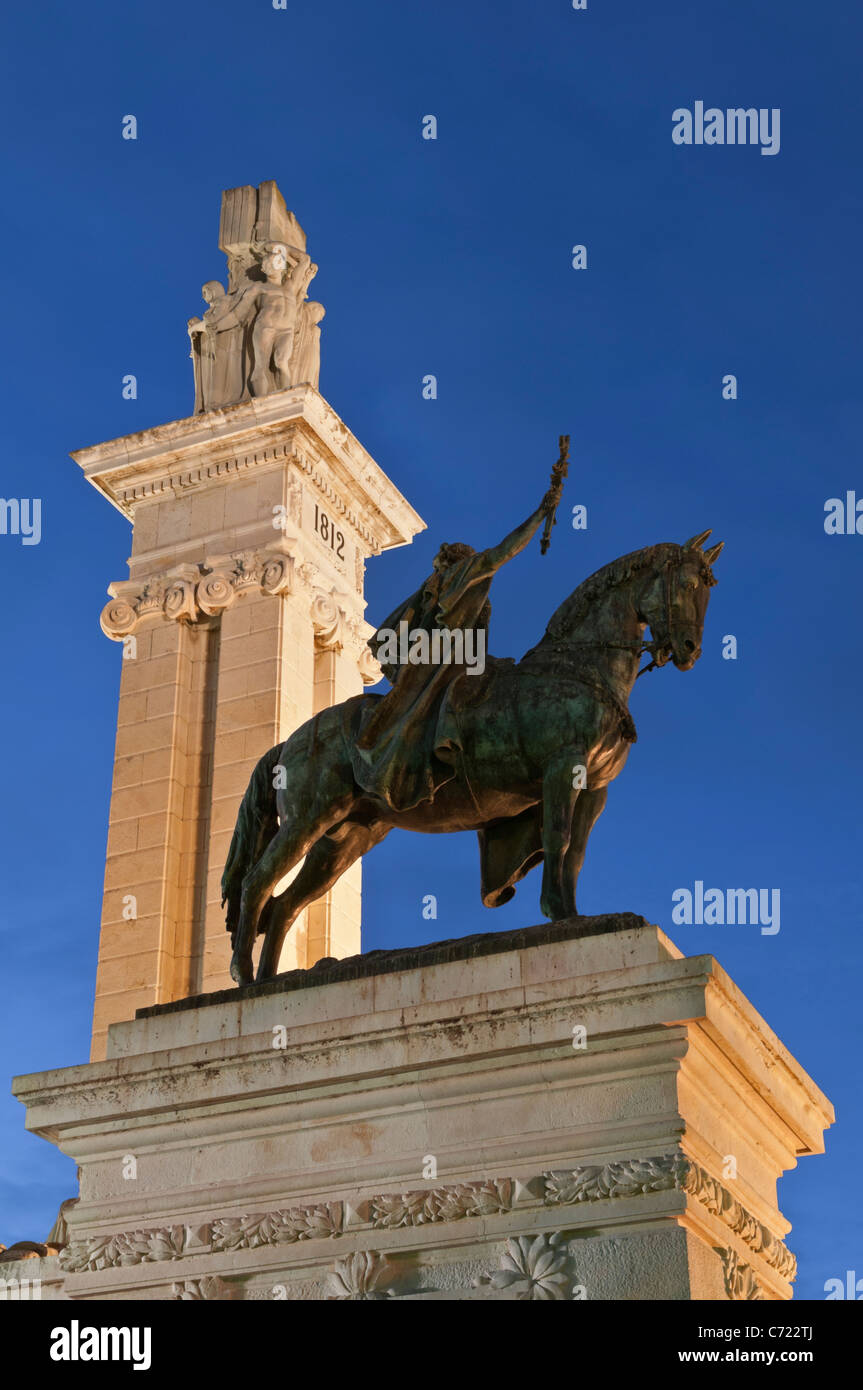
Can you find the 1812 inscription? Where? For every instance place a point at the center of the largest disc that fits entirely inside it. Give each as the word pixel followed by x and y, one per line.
pixel 329 533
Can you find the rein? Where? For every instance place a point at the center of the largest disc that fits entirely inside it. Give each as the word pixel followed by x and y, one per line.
pixel 640 648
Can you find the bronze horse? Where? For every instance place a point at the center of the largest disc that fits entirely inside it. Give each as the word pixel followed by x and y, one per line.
pixel 535 744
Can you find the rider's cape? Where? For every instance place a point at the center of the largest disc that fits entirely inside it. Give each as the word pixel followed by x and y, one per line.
pixel 402 753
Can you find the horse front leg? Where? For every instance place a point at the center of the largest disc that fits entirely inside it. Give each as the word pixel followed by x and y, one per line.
pixel 588 809
pixel 560 793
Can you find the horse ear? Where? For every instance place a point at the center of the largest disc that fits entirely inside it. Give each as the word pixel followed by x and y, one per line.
pixel 712 554
pixel 697 541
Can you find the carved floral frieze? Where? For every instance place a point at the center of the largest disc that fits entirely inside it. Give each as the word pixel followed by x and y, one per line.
pixel 637 1176
pixel 395 1210
pixel 278 1227
pixel 128 1248
pixel 446 1203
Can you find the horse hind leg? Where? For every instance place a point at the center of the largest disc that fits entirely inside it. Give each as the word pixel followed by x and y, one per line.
pixel 325 863
pixel 314 806
pixel 284 850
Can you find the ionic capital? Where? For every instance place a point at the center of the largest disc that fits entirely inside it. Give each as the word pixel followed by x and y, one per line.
pixel 186 593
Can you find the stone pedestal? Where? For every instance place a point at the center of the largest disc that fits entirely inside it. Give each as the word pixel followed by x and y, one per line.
pixel 563 1112
pixel 241 618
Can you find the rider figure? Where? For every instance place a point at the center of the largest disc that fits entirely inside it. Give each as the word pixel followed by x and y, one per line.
pixel 400 754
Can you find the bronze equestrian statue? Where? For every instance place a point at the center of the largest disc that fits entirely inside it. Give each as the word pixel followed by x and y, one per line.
pixel 522 753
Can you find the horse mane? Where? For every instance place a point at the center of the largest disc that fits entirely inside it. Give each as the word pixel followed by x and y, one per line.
pixel 575 609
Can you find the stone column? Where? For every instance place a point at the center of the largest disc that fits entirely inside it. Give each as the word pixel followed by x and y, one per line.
pixel 242 616
pixel 155 849
pixel 264 690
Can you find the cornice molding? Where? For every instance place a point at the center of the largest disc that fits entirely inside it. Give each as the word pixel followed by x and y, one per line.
pixel 296 426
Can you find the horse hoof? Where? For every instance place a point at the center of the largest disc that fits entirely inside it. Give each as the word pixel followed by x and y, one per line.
pixel 241 970
pixel 555 910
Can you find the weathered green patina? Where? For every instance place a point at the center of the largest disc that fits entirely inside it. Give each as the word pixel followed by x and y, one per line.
pixel 522 753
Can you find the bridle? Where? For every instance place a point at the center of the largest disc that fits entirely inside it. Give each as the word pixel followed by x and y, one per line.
pixel 640 648
pixel 599 686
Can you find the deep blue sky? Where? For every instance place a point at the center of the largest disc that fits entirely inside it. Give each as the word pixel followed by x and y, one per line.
pixel 453 258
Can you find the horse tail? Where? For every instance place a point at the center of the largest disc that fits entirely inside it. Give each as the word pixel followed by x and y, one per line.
pixel 257 823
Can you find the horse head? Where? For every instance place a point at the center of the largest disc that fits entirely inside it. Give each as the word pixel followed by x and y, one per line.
pixel 673 602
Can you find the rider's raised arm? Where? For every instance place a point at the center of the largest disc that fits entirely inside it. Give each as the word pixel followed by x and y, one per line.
pixel 488 561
